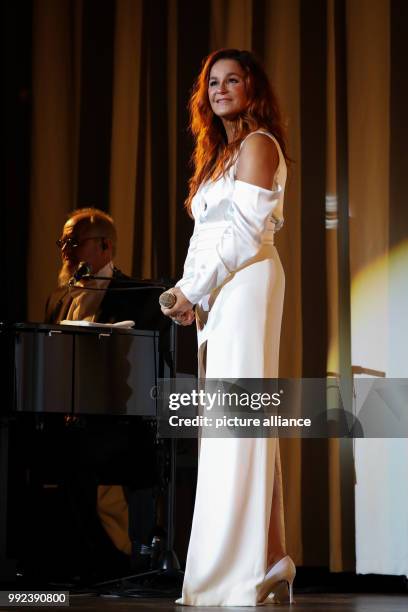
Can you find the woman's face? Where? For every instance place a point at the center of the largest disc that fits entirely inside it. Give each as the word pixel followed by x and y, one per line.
pixel 226 89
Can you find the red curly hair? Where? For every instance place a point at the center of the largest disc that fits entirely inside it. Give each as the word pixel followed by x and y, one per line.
pixel 213 155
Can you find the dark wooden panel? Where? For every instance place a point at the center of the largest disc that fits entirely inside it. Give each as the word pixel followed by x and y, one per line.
pixel 398 123
pixel 193 46
pixel 313 186
pixel 313 47
pixel 96 103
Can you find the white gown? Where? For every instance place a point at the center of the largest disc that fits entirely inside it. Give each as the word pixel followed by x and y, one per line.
pixel 234 275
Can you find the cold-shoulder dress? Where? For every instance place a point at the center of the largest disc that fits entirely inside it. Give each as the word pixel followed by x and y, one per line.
pixel 234 275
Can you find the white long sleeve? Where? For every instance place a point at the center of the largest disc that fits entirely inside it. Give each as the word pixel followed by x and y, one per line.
pixel 219 248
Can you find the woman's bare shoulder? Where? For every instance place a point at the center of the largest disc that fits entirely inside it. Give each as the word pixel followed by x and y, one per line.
pixel 258 160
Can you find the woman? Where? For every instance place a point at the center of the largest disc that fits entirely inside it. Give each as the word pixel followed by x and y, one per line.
pixel 233 279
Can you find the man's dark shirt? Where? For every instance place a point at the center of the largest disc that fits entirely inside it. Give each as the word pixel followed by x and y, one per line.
pixel 125 299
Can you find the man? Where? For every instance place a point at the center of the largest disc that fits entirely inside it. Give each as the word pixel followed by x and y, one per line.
pixel 89 235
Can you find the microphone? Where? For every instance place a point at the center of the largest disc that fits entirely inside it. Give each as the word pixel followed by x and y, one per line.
pixel 167 299
pixel 83 269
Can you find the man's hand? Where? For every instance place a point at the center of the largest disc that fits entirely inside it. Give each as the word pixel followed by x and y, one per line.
pixel 182 312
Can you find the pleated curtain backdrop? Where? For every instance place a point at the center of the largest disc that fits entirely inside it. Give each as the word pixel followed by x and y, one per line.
pixel 110 87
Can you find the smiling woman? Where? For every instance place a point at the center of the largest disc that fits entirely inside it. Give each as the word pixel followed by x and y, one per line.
pixel 226 89
pixel 219 132
pixel 234 279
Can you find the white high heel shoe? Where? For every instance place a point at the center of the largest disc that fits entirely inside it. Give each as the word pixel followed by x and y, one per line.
pixel 277 585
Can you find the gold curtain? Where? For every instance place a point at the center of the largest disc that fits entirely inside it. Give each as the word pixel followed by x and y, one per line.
pixel 379 289
pixel 125 126
pixel 282 36
pixel 54 149
pixel 56 94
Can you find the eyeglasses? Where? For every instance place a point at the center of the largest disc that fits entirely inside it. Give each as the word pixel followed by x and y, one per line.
pixel 74 243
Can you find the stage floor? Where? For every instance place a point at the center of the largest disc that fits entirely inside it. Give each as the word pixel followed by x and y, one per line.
pixel 304 603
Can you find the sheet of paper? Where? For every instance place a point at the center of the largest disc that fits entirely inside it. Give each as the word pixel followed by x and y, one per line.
pixel 122 324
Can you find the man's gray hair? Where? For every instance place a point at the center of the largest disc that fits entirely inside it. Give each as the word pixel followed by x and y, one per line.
pixel 98 220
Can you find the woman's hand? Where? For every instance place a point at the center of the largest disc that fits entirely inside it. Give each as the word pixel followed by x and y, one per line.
pixel 182 312
pixel 185 318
